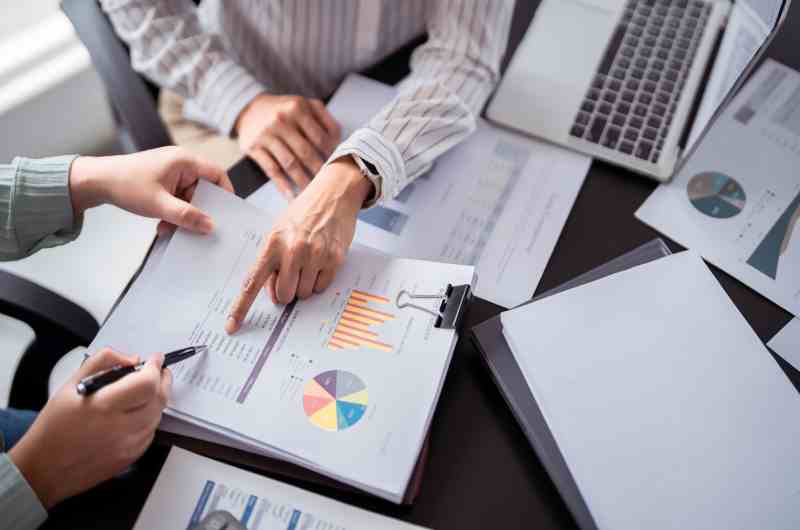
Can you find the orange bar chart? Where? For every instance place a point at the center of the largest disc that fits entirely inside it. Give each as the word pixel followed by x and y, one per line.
pixel 354 329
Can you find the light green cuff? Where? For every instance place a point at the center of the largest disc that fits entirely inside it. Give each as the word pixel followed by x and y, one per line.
pixel 40 205
pixel 20 508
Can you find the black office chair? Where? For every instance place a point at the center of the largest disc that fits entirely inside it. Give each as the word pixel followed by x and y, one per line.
pixel 58 326
pixel 133 99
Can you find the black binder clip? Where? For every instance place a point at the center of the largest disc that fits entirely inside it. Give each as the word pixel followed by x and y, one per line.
pixel 451 310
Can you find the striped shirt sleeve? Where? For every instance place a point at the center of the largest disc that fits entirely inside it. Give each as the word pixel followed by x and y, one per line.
pixel 452 76
pixel 170 47
pixel 20 508
pixel 35 206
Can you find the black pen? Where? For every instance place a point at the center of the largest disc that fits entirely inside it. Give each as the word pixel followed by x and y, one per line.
pixel 93 383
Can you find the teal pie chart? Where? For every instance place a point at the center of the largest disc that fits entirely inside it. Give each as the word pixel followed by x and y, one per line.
pixel 716 195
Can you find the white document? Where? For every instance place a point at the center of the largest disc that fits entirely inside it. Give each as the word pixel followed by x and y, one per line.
pixel 190 487
pixel 344 383
pixel 667 408
pixel 767 11
pixel 737 199
pixel 786 343
pixel 744 34
pixel 498 201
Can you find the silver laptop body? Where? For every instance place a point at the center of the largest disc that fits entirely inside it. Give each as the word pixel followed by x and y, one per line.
pixel 632 82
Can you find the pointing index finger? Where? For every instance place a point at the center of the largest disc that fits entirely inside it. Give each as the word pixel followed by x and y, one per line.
pixel 264 266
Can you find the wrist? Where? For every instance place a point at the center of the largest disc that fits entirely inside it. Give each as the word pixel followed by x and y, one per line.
pixel 87 183
pixel 243 114
pixel 25 460
pixel 354 183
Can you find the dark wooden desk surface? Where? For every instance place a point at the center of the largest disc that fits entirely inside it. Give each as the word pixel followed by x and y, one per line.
pixel 482 473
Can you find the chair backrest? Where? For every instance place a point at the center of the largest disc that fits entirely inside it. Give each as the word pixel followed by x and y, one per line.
pixel 58 325
pixel 132 98
pixel 16 338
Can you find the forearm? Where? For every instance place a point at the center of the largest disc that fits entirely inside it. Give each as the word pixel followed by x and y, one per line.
pixel 170 47
pixel 458 66
pixel 437 106
pixel 35 206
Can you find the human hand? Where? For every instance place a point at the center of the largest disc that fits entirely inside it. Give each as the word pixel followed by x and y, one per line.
pixel 158 183
pixel 308 243
pixel 289 137
pixel 77 442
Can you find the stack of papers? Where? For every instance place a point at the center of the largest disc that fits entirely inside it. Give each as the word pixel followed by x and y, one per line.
pixel 498 201
pixel 191 488
pixel 746 31
pixel 344 383
pixel 665 406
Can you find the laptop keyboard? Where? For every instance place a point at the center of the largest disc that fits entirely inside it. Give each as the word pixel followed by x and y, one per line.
pixel 632 100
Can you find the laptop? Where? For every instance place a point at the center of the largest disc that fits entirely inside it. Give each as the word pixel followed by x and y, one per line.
pixel 632 82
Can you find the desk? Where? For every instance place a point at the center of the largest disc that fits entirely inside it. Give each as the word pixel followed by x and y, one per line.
pixel 482 473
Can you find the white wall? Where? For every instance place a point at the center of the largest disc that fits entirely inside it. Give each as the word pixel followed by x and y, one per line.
pixel 51 100
pixel 17 15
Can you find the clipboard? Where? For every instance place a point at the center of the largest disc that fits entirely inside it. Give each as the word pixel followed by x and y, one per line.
pixel 490 342
pixel 449 315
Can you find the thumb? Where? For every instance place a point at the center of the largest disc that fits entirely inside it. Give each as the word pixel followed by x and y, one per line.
pixel 182 214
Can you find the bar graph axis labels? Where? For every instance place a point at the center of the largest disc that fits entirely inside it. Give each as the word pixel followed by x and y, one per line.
pixel 360 320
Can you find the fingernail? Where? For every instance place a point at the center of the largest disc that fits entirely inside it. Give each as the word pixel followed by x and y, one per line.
pixel 231 326
pixel 205 225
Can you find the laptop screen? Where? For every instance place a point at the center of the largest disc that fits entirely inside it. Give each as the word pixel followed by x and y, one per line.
pixel 751 24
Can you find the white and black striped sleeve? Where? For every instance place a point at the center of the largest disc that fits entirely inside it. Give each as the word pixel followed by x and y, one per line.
pixel 170 47
pixel 437 106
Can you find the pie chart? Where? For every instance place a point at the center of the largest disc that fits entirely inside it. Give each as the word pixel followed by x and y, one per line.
pixel 716 195
pixel 335 400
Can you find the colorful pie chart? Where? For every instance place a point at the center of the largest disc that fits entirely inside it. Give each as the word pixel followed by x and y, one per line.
pixel 335 400
pixel 716 195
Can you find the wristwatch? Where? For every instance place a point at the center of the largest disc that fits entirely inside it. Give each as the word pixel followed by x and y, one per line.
pixel 371 173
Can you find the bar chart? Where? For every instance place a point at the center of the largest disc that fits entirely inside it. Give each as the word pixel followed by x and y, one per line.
pixel 360 322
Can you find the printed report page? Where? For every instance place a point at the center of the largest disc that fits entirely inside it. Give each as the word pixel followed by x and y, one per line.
pixel 346 380
pixel 737 200
pixel 191 488
pixel 744 34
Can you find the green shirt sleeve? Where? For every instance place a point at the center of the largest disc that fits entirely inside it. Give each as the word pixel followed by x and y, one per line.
pixel 35 206
pixel 20 508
